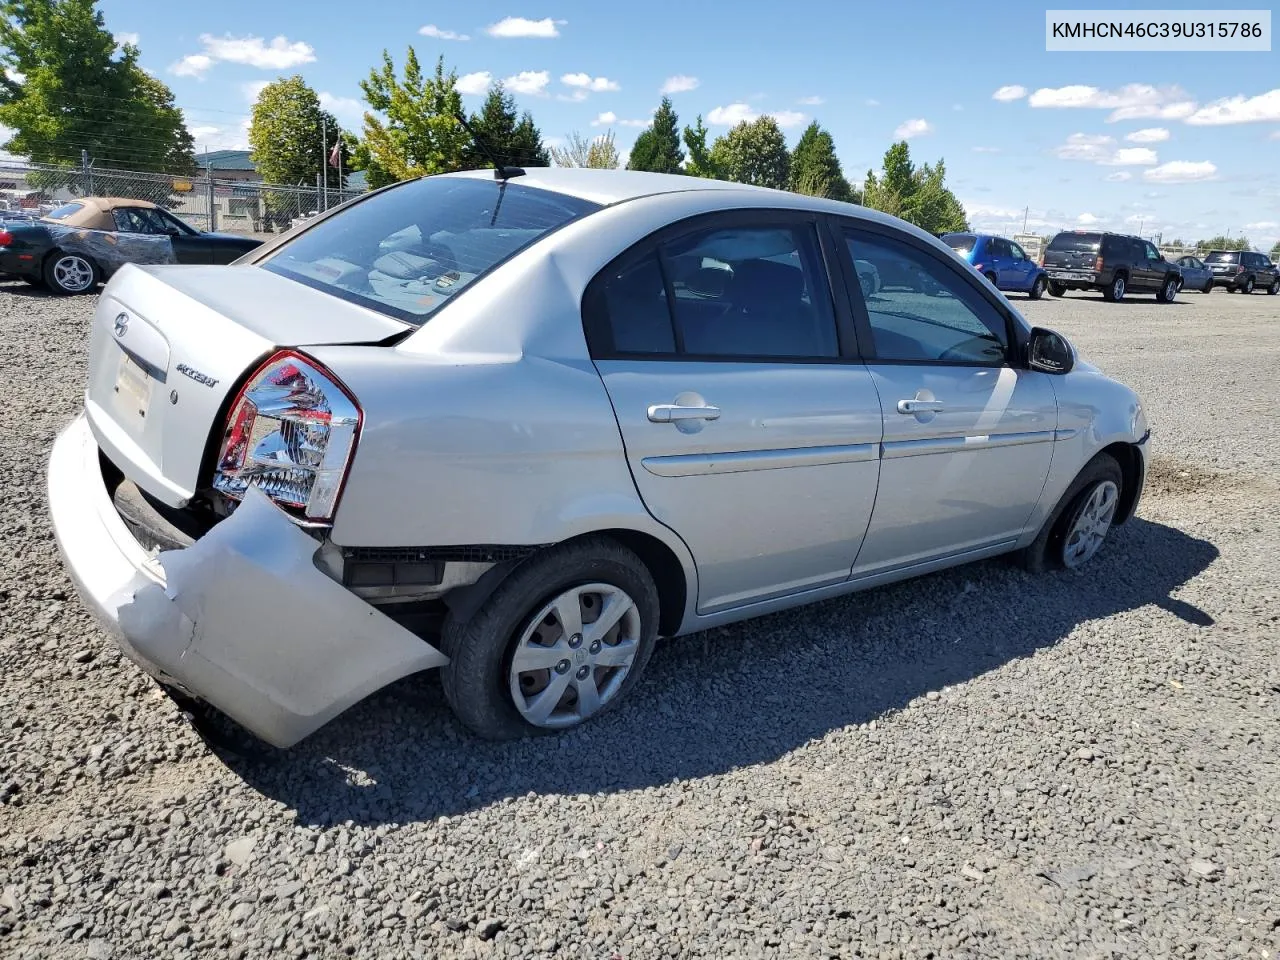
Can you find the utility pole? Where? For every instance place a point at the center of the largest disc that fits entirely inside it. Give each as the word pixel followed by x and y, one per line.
pixel 1025 213
pixel 324 158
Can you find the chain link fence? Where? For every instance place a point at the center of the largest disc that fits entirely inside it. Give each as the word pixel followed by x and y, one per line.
pixel 205 200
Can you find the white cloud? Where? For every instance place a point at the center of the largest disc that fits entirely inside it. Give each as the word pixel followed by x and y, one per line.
pixel 728 116
pixel 213 137
pixel 474 84
pixel 633 123
pixel 436 33
pixel 1275 135
pixel 586 82
pixel 1181 171
pixel 1120 176
pixel 872 103
pixel 530 83
pixel 201 133
pixel 509 27
pixel 680 83
pixel 1262 225
pixel 1088 219
pixel 279 54
pixel 192 65
pixel 1097 148
pixel 810 101
pixel 1131 102
pixel 605 119
pixel 125 36
pixel 986 149
pixel 912 128
pixel 348 110
pixel 253 89
pixel 1009 93
pixel 1148 135
pixel 788 118
pixel 14 75
pixel 574 96
pixel 1264 108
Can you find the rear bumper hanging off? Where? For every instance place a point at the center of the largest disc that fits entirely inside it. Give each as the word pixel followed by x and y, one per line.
pixel 241 619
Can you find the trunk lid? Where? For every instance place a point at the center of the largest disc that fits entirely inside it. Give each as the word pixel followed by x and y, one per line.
pixel 170 346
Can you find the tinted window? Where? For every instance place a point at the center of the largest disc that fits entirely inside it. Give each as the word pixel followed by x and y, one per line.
pixel 932 314
pixel 961 243
pixel 1150 252
pixel 1018 252
pixel 1223 256
pixel 137 220
pixel 733 291
pixel 407 251
pixel 64 211
pixel 1076 242
pixel 634 313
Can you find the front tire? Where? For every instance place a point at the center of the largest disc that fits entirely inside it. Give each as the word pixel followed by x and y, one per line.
pixel 1114 291
pixel 1274 288
pixel 1075 531
pixel 562 639
pixel 1168 290
pixel 1037 289
pixel 1208 287
pixel 70 273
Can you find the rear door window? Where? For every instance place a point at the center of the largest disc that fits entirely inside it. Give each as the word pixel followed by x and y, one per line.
pixel 1222 256
pixel 1076 242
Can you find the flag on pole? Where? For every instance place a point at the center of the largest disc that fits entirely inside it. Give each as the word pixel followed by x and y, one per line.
pixel 335 155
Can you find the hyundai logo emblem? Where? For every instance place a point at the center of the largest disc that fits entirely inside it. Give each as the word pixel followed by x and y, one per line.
pixel 121 324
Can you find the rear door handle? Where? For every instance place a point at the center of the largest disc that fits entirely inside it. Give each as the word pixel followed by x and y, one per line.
pixel 675 412
pixel 919 406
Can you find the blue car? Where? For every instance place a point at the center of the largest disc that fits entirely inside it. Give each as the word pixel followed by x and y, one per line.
pixel 1001 261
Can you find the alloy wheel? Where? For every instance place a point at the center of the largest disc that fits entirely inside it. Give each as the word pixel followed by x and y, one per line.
pixel 73 273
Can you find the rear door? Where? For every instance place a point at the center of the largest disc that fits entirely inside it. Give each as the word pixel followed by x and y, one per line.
pixel 750 426
pixel 999 261
pixel 1153 265
pixel 968 431
pixel 1021 266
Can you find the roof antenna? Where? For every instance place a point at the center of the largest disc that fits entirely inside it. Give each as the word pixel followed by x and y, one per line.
pixel 501 171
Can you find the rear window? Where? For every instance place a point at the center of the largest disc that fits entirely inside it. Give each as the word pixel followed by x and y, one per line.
pixel 64 211
pixel 408 251
pixel 961 243
pixel 1223 256
pixel 1076 242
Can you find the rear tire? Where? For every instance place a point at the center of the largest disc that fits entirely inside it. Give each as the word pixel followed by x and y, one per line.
pixel 482 680
pixel 70 273
pixel 1037 289
pixel 1057 289
pixel 1247 286
pixel 1208 287
pixel 1049 550
pixel 1114 291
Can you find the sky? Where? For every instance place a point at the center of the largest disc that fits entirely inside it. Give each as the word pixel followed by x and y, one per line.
pixel 1179 144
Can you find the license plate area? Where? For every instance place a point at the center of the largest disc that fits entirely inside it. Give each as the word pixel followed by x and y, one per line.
pixel 132 391
pixel 1070 275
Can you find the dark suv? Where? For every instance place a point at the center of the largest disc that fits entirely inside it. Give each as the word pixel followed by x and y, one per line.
pixel 1243 271
pixel 1114 263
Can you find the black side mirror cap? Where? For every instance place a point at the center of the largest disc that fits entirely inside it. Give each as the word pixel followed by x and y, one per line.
pixel 1049 352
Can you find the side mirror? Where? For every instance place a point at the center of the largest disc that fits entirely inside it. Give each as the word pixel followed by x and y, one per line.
pixel 1049 352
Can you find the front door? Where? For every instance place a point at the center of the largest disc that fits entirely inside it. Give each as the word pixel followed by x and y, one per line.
pixel 968 433
pixel 750 428
pixel 1022 267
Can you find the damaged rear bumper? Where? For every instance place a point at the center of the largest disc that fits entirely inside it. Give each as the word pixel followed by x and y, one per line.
pixel 242 619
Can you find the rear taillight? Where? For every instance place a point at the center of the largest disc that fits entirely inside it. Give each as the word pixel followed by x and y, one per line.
pixel 6 238
pixel 291 433
pixel 1042 259
pixel 1097 265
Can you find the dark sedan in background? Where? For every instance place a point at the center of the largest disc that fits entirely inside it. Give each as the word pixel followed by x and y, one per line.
pixel 82 243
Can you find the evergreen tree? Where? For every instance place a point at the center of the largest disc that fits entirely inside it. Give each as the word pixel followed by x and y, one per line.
pixel 657 149
pixel 754 152
pixel 695 141
pixel 815 169
pixel 919 196
pixel 513 141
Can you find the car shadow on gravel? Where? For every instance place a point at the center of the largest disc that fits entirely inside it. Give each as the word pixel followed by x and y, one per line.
pixel 728 698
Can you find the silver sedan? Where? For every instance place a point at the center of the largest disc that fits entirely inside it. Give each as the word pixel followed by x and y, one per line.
pixel 516 427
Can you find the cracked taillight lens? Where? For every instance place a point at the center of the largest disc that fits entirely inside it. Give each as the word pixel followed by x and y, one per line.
pixel 291 433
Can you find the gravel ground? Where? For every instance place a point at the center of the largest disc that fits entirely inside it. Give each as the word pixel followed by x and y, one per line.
pixel 977 764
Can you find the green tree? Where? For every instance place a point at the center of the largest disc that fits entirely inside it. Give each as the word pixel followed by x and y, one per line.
pixel 695 141
pixel 917 195
pixel 753 152
pixel 514 141
pixel 599 153
pixel 421 134
pixel 657 149
pixel 815 168
pixel 290 137
pixel 1224 243
pixel 66 86
pixel 1275 252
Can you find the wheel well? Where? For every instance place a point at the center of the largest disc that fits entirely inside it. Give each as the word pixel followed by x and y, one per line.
pixel 668 575
pixel 1130 460
pixel 57 251
pixel 1122 273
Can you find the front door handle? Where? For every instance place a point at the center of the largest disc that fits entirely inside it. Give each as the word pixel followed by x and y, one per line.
pixel 919 406
pixel 675 412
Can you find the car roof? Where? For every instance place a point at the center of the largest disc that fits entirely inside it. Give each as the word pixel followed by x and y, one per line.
pixel 95 212
pixel 612 186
